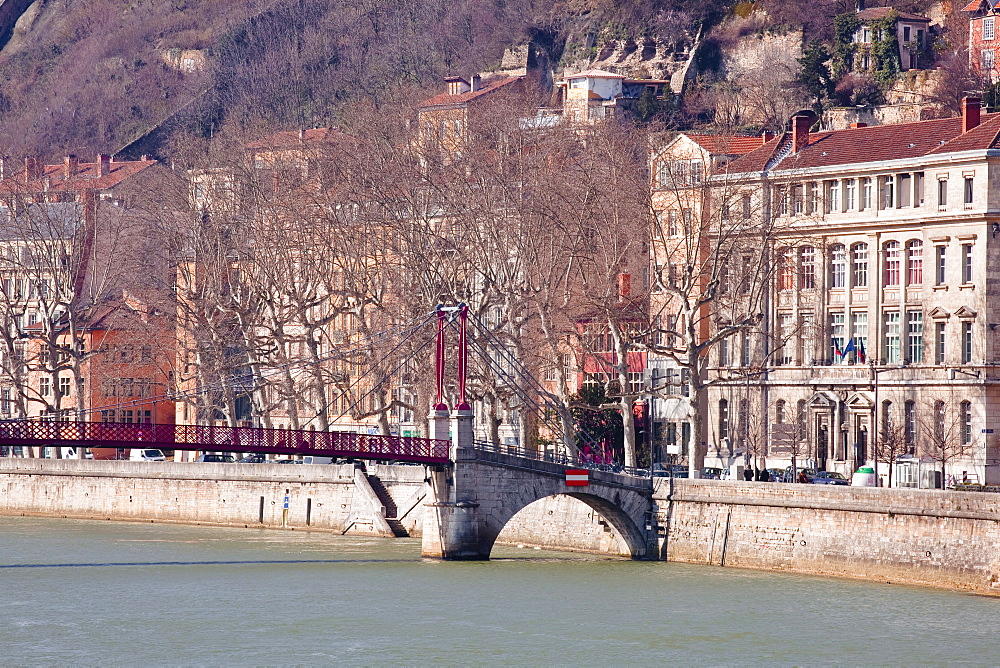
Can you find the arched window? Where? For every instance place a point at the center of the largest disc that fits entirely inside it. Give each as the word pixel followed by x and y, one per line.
pixel 859 259
pixel 807 267
pixel 914 262
pixel 800 419
pixel 723 418
pixel 893 258
pixel 838 266
pixel 779 411
pixel 965 414
pixel 887 421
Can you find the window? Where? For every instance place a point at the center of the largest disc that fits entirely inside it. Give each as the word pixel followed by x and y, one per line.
pixel 44 387
pixel 942 193
pixel 910 423
pixel 725 214
pixel 966 263
pixel 966 342
pixel 988 28
pixel 64 386
pixel 838 266
pixel 837 334
pixel 904 189
pixel 812 205
pixel 786 277
pixel 967 190
pixel 850 194
pixel 866 193
pixel 859 333
pixel 833 197
pixel 859 255
pixel 940 413
pixel 798 203
pixel 918 189
pixel 914 262
pixel 745 348
pixel 779 411
pixel 890 346
pixel 672 228
pixel 906 33
pixel 940 253
pixel 807 268
pixel 892 262
pixel 915 336
pixel 746 207
pixel 785 327
pixel 965 418
pixel 887 198
pixel 939 342
pixel 723 418
pixel 686 219
pixel 987 59
pixel 887 420
pixel 781 200
pixel 724 352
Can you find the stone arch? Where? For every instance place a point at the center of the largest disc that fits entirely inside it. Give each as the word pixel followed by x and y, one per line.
pixel 620 518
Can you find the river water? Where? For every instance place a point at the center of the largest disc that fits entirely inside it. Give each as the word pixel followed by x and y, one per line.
pixel 76 592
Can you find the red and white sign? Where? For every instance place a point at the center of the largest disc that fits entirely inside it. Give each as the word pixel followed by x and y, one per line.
pixel 577 477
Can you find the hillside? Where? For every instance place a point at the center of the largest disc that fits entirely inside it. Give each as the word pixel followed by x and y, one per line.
pixel 82 76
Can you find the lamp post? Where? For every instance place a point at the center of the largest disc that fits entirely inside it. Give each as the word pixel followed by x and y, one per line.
pixel 876 430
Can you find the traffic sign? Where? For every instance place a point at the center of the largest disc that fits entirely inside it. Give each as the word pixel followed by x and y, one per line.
pixel 577 477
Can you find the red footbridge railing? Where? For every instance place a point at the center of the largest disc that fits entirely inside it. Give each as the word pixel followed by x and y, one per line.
pixel 223 439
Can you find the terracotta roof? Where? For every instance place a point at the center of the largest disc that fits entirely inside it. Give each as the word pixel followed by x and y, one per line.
pixel 596 74
pixel 871 144
pixel 875 13
pixel 727 145
pixel 976 4
pixel 86 177
pixel 445 99
pixel 296 138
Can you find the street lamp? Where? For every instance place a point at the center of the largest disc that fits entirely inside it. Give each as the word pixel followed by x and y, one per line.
pixel 876 429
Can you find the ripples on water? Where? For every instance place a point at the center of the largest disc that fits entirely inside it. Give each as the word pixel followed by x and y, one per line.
pixel 89 593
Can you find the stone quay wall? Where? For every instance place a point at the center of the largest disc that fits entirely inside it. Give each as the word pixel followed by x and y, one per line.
pixel 926 537
pixel 319 497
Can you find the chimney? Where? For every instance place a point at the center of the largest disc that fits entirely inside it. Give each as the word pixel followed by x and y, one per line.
pixel 477 82
pixel 103 164
pixel 71 165
pixel 801 122
pixel 32 169
pixel 971 109
pixel 766 137
pixel 855 126
pixel 624 285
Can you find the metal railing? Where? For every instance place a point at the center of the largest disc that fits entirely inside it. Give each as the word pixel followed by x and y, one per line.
pixel 223 439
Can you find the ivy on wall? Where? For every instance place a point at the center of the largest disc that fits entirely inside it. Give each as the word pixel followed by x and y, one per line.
pixel 885 64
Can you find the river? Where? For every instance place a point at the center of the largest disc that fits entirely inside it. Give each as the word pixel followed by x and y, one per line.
pixel 76 592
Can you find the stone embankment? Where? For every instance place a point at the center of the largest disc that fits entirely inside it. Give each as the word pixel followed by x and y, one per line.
pixel 927 537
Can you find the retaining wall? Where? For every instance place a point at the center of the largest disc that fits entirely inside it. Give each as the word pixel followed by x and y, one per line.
pixel 928 537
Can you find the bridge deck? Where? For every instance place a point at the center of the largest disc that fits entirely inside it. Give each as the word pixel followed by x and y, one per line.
pixel 223 439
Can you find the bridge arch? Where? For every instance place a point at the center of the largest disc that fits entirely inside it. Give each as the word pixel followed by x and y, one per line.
pixel 473 502
pixel 630 540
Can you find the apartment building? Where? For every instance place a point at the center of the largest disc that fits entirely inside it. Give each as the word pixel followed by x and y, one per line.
pixel 984 38
pixel 879 337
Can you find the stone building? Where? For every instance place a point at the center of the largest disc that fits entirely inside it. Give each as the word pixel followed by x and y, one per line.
pixel 880 328
pixel 983 37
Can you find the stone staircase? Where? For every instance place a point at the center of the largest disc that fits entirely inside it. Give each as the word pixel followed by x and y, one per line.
pixel 390 507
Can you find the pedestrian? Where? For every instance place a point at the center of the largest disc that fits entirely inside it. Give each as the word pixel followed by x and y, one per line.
pixel 762 475
pixel 803 477
pixel 748 474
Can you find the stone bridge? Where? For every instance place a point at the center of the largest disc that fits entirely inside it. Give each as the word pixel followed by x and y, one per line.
pixel 472 499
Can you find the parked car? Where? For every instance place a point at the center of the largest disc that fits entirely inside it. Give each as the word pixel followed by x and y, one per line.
pixel 793 476
pixel 254 458
pixel 775 475
pixel 670 470
pixel 216 459
pixel 146 455
pixel 286 461
pixel 829 478
pixel 711 473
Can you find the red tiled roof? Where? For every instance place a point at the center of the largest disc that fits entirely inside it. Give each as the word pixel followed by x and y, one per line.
pixel 875 13
pixel 976 4
pixel 445 99
pixel 85 177
pixel 727 145
pixel 871 144
pixel 296 138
